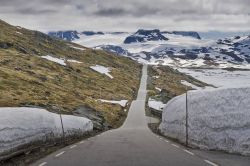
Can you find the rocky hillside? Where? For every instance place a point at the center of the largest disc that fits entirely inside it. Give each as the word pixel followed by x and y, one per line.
pixel 38 70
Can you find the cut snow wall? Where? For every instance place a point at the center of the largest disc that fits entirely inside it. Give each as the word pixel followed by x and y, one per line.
pixel 218 119
pixel 23 126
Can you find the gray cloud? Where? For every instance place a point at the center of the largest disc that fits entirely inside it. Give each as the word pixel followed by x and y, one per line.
pixel 111 12
pixel 128 15
pixel 32 11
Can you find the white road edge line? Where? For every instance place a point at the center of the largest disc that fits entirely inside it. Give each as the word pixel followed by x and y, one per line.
pixel 42 164
pixel 59 154
pixel 188 152
pixel 175 145
pixel 211 163
pixel 73 146
pixel 81 142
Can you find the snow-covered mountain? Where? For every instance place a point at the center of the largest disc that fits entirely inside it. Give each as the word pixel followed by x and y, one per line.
pixel 90 33
pixel 177 48
pixel 65 35
pixel 145 35
pixel 73 35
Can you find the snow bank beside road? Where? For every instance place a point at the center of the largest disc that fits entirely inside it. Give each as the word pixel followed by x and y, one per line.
pixel 22 126
pixel 219 119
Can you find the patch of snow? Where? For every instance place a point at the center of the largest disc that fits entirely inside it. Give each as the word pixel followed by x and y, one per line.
pixel 184 82
pixel 56 60
pixel 19 33
pixel 159 89
pixel 157 105
pixel 78 48
pixel 218 119
pixel 122 103
pixel 102 70
pixel 60 61
pixel 156 76
pixel 21 126
pixel 73 61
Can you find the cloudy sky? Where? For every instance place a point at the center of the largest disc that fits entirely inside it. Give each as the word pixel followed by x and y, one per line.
pixel 128 15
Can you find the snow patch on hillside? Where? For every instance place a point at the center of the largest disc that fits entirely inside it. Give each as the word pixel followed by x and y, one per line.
pixel 73 61
pixel 159 89
pixel 102 70
pixel 218 119
pixel 184 82
pixel 157 105
pixel 60 61
pixel 122 103
pixel 19 33
pixel 56 60
pixel 21 126
pixel 78 48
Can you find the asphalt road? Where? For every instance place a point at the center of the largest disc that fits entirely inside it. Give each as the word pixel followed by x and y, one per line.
pixel 133 144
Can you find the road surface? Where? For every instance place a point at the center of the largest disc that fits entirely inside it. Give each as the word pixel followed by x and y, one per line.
pixel 133 144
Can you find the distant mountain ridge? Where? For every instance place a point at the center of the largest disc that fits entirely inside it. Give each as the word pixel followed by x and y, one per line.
pixel 90 33
pixel 176 48
pixel 145 35
pixel 65 35
pixel 71 35
pixel 140 36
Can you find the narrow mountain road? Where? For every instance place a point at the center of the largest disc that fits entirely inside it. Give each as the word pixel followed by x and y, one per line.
pixel 133 144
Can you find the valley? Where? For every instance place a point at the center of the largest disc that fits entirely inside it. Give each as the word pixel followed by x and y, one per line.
pixel 96 79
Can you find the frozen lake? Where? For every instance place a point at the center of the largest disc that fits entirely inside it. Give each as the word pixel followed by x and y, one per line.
pixel 219 77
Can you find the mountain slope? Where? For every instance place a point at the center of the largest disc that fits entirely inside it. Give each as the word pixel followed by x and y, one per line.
pixel 64 81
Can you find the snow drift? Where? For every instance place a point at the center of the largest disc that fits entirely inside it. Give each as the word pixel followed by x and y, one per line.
pixel 218 119
pixel 23 126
